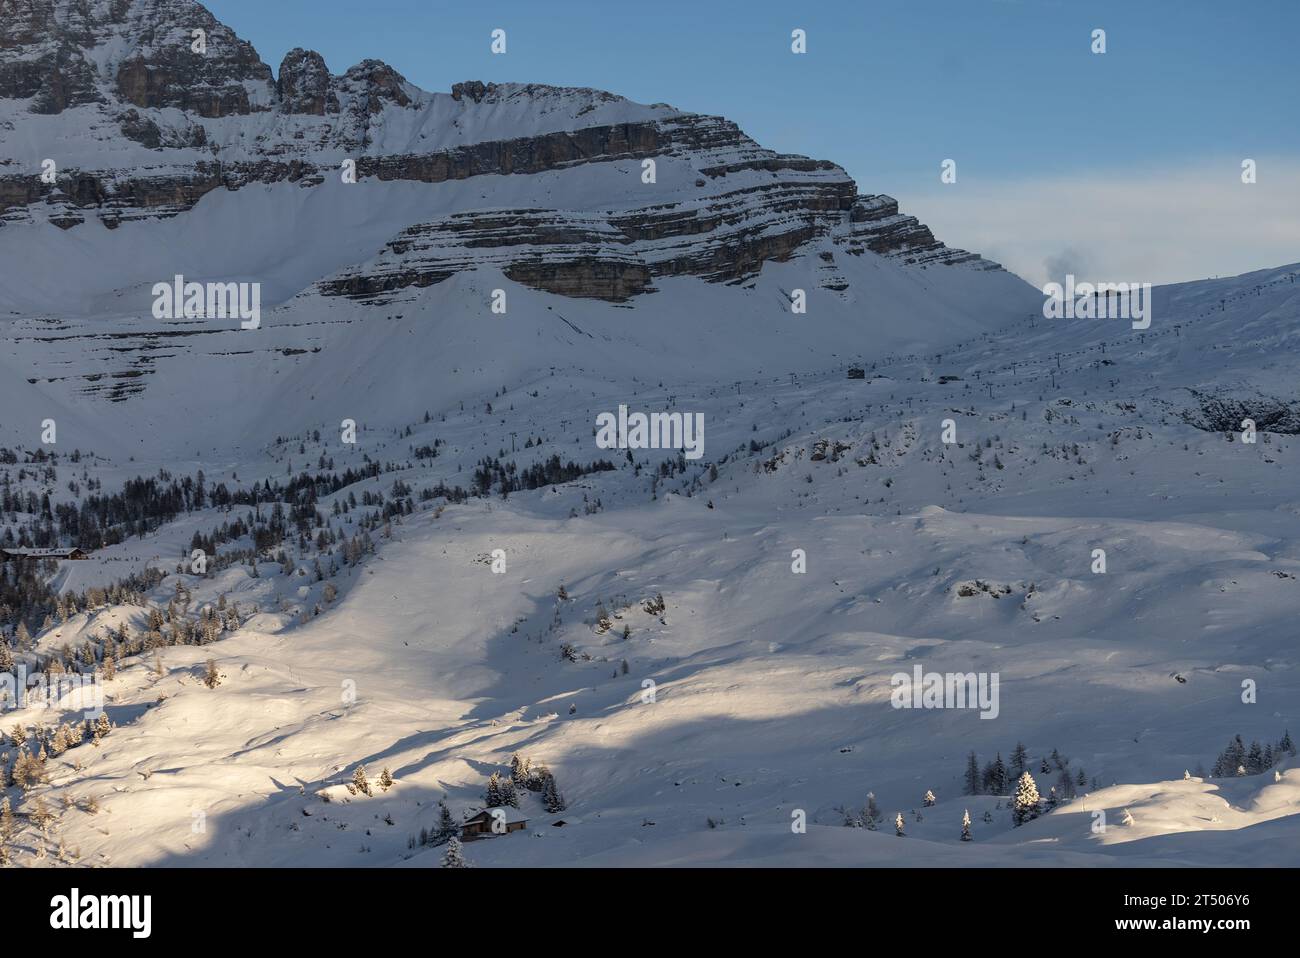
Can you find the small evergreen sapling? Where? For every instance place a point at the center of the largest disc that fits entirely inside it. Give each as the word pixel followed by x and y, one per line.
pixel 454 856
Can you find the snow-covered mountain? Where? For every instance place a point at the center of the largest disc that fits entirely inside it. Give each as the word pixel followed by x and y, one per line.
pixel 206 165
pixel 701 650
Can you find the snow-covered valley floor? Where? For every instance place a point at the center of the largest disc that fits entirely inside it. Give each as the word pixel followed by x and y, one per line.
pixel 760 691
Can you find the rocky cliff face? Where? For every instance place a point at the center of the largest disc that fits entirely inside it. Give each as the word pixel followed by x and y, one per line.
pixel 141 126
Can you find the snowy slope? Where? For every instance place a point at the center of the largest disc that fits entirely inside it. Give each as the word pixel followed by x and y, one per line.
pixel 771 687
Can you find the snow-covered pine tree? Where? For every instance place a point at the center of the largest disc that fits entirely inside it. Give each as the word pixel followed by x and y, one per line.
pixel 929 799
pixel 359 780
pixel 509 794
pixel 965 825
pixel 454 856
pixel 519 770
pixel 552 799
pixel 1025 807
pixel 446 824
pixel 898 825
pixel 492 797
pixel 385 779
pixel 1127 819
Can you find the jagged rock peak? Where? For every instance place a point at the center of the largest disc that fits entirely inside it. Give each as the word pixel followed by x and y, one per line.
pixel 64 53
pixel 304 84
pixel 377 82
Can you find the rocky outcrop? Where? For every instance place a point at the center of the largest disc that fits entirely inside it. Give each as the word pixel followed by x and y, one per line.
pixel 373 83
pixel 304 84
pixel 727 240
pixel 66 53
pixel 876 225
pixel 1225 413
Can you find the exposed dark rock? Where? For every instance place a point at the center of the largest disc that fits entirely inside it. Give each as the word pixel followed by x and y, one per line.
pixel 304 84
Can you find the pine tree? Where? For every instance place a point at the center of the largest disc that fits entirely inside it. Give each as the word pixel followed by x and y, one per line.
pixel 519 770
pixel 1286 745
pixel 898 825
pixel 929 799
pixel 972 775
pixel 454 857
pixel 359 781
pixel 211 677
pixel 1255 758
pixel 509 794
pixel 552 799
pixel 385 779
pixel 492 797
pixel 7 826
pixel 446 824
pixel 1128 818
pixel 965 825
pixel 1019 761
pixel 1026 800
pixel 1000 780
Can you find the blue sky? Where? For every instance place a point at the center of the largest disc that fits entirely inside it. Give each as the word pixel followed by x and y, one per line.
pixel 1043 131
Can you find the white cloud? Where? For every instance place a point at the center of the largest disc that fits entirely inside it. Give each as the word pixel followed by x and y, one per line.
pixel 1125 226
